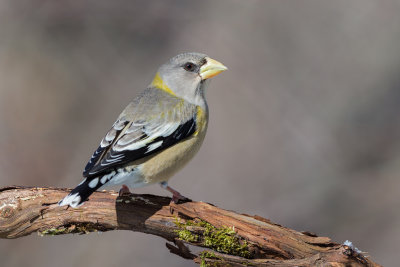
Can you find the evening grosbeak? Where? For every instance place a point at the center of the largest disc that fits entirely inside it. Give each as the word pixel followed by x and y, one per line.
pixel 157 134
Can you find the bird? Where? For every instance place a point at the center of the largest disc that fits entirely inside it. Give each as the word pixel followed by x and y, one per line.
pixel 157 134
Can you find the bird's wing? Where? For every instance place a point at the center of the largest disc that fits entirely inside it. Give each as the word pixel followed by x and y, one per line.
pixel 144 130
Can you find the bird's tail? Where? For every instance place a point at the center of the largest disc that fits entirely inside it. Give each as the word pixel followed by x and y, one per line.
pixel 81 193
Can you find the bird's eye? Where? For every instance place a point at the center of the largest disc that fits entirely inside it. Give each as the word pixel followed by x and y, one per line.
pixel 189 66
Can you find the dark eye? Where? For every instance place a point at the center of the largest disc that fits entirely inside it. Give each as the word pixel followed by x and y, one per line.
pixel 189 66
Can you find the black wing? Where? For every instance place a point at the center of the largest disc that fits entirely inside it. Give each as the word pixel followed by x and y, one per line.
pixel 139 140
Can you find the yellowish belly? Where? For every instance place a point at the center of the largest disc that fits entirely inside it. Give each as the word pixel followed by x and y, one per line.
pixel 166 163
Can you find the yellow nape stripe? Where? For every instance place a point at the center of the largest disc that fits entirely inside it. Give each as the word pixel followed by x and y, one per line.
pixel 160 84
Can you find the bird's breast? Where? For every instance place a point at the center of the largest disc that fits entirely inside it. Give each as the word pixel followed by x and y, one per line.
pixel 164 164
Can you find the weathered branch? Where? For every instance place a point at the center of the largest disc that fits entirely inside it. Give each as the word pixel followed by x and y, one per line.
pixel 229 239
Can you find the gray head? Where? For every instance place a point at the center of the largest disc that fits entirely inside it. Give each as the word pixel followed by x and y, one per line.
pixel 185 74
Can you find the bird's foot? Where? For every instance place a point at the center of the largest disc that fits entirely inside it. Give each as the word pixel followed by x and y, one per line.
pixel 124 191
pixel 176 196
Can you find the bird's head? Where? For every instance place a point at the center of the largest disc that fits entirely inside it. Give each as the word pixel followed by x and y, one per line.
pixel 185 75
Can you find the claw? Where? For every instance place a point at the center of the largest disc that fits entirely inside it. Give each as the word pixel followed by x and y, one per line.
pixel 177 196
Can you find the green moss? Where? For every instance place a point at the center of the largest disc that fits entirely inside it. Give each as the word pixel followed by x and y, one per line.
pixel 223 239
pixel 54 231
pixel 188 236
pixel 208 255
pixel 185 234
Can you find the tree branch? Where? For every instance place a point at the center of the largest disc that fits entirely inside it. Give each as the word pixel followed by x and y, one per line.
pixel 226 238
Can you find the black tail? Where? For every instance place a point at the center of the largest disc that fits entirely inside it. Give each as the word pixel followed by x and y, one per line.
pixel 81 193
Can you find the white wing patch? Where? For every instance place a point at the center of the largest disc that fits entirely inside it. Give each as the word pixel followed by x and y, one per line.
pixel 158 130
pixel 153 146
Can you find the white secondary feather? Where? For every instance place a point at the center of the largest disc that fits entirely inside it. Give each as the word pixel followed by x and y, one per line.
pixel 169 129
pixel 128 139
pixel 111 160
pixel 133 146
pixel 111 135
pixel 135 127
pixel 152 133
pixel 154 146
pixel 104 143
pixel 119 125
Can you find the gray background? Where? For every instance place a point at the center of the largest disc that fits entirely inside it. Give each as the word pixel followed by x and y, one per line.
pixel 304 127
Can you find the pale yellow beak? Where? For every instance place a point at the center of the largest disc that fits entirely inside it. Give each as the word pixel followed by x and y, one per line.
pixel 211 68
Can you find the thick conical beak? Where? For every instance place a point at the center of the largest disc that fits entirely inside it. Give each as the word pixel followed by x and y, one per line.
pixel 211 68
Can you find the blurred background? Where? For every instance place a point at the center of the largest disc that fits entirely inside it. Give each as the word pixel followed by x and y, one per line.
pixel 304 127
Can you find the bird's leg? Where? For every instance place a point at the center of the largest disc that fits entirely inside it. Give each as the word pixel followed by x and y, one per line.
pixel 176 196
pixel 124 190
